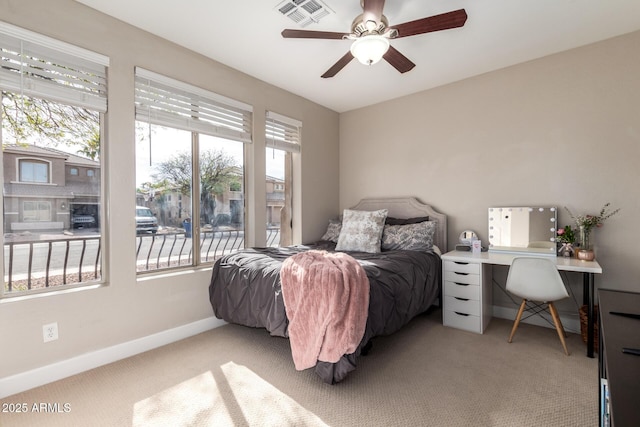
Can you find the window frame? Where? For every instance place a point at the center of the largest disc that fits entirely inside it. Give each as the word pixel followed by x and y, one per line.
pixel 41 67
pixel 285 134
pixel 164 101
pixel 38 204
pixel 34 161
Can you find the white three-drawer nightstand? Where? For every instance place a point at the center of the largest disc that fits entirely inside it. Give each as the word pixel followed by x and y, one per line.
pixel 466 292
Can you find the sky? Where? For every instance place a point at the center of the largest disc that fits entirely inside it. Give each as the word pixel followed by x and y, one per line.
pixel 166 142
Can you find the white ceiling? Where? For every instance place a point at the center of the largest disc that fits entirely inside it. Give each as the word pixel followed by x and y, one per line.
pixel 245 35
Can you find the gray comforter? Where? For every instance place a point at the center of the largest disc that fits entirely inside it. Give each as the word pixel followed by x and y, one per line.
pixel 245 289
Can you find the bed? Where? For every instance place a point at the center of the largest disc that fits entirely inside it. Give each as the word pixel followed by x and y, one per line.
pixel 404 281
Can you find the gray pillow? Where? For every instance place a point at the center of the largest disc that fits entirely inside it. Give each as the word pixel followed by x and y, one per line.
pixel 361 230
pixel 410 237
pixel 333 231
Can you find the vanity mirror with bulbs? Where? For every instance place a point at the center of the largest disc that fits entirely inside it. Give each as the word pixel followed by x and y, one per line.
pixel 523 229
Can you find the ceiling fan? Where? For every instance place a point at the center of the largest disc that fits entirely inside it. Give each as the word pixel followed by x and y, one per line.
pixel 371 33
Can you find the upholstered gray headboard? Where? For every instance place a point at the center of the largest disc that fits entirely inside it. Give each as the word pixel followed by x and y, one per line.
pixel 409 207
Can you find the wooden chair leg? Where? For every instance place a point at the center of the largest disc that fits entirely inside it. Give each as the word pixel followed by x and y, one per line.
pixel 559 328
pixel 564 333
pixel 517 321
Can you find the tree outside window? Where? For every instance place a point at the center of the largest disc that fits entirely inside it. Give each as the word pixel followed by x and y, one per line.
pixel 166 183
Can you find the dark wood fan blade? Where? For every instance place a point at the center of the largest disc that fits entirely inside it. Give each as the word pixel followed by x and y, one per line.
pixel 398 60
pixel 342 62
pixel 305 34
pixel 372 10
pixel 445 21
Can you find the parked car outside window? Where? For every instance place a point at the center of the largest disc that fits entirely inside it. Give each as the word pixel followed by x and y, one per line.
pixel 83 221
pixel 146 222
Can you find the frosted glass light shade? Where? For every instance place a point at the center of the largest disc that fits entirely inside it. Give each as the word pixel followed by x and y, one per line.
pixel 370 49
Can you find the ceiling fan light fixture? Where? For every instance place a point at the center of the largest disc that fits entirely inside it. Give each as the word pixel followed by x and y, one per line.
pixel 370 49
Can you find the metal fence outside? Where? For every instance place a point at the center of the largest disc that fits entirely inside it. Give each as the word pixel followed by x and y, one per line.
pixel 39 264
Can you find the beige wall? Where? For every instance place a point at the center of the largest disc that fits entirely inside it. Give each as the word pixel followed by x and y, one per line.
pixel 127 309
pixel 563 130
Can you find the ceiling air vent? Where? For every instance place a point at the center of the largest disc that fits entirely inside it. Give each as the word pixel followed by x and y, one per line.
pixel 304 12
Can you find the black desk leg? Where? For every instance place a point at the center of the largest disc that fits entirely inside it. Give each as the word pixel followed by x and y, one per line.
pixel 587 299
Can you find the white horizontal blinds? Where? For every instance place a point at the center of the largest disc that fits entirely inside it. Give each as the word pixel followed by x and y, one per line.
pixel 283 133
pixel 38 66
pixel 167 102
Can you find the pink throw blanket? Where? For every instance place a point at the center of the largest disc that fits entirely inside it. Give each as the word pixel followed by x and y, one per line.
pixel 326 298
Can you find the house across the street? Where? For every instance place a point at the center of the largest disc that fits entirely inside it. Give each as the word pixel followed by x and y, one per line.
pixel 46 189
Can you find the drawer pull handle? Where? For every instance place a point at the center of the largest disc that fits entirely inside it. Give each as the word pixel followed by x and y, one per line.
pixel 460 263
pixel 461 314
pixel 461 274
pixel 461 299
pixel 461 284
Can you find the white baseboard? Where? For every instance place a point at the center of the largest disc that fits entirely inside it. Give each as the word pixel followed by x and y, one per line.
pixel 571 323
pixel 63 369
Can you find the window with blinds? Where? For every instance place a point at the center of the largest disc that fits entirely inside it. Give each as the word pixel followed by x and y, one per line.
pixel 38 66
pixel 283 133
pixel 53 96
pixel 164 101
pixel 190 146
pixel 283 142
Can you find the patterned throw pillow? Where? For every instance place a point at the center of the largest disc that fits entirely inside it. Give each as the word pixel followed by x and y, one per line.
pixel 361 230
pixel 333 231
pixel 411 237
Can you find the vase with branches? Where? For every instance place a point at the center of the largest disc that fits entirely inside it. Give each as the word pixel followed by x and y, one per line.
pixel 586 224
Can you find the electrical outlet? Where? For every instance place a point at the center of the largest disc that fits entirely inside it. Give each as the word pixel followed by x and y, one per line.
pixel 50 332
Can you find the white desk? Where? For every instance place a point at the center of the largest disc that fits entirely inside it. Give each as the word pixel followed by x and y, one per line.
pixel 485 259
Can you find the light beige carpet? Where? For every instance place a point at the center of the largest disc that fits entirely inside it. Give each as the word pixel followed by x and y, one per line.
pixel 424 375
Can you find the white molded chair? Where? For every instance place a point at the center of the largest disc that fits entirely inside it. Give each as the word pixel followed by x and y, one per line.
pixel 537 279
